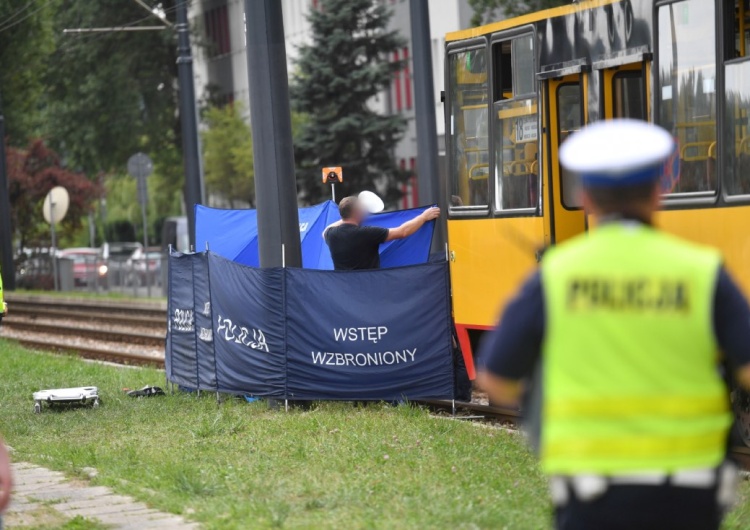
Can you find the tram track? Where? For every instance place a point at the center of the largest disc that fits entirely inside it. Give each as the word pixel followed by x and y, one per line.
pixel 94 353
pixel 117 331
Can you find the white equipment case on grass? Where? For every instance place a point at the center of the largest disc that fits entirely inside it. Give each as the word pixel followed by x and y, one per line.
pixel 82 394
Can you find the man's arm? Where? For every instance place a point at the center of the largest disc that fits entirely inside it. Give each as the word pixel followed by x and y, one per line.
pixel 6 479
pixel 508 354
pixel 732 326
pixel 411 226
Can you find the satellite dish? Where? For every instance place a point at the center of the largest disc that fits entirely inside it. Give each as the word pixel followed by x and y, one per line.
pixel 371 202
pixel 56 205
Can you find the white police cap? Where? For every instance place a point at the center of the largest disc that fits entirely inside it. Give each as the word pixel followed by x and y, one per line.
pixel 618 152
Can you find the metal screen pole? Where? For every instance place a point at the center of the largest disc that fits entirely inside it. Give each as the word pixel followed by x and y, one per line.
pixel 270 119
pixel 6 234
pixel 194 191
pixel 428 176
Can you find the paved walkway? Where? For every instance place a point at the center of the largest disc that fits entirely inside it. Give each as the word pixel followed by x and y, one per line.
pixel 44 498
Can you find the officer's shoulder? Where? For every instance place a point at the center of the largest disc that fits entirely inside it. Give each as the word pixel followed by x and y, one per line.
pixel 690 250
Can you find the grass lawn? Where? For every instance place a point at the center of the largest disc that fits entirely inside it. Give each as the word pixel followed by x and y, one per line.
pixel 239 465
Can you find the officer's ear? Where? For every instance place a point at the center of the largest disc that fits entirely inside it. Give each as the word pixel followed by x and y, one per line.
pixel 589 206
pixel 656 197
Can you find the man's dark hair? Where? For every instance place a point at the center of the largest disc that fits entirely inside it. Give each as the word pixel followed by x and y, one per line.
pixel 625 200
pixel 347 206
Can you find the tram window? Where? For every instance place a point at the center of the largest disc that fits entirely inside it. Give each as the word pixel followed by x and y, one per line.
pixel 515 122
pixel 738 31
pixel 627 95
pixel 503 71
pixel 568 122
pixel 468 128
pixel 523 66
pixel 687 91
pixel 737 129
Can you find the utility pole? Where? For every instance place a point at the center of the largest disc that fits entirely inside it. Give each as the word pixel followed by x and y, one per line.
pixel 6 234
pixel 428 175
pixel 275 182
pixel 194 192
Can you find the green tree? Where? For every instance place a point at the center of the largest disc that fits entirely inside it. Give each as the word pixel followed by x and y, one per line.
pixel 26 41
pixel 32 172
pixel 109 95
pixel 228 156
pixel 486 11
pixel 336 77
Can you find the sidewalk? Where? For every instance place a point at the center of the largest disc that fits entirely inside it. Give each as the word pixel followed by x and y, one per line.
pixel 45 498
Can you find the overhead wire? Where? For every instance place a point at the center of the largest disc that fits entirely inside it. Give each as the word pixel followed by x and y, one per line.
pixel 8 25
pixel 91 38
pixel 14 15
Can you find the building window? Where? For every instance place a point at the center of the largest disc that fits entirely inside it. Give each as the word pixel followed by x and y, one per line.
pixel 414 187
pixel 216 23
pixel 407 79
pixel 397 105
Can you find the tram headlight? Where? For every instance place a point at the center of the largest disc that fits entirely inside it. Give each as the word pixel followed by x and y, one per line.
pixel 103 270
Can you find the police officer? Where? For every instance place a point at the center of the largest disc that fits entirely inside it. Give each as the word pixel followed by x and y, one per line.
pixel 624 325
pixel 3 305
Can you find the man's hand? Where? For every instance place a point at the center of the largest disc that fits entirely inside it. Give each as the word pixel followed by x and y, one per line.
pixel 6 480
pixel 431 213
pixel 409 227
pixel 506 392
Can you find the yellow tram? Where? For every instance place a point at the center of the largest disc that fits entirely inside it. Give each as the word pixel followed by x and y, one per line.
pixel 517 88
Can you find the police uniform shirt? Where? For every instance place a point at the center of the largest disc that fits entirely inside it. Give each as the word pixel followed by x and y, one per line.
pixel 512 350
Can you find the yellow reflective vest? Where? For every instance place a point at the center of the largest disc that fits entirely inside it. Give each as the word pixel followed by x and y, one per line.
pixel 630 359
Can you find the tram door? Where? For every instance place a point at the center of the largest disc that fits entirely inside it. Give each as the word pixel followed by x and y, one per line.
pixel 566 111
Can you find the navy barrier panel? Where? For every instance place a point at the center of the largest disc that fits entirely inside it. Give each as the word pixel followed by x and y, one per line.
pixel 248 327
pixel 180 359
pixel 204 344
pixel 369 334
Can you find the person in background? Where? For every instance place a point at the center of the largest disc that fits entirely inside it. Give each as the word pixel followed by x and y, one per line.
pixel 624 324
pixel 6 480
pixel 3 305
pixel 356 247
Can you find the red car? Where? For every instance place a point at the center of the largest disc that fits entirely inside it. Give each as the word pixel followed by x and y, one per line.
pixel 88 265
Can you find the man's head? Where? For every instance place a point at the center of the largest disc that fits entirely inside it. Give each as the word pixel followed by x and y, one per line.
pixel 351 210
pixel 620 164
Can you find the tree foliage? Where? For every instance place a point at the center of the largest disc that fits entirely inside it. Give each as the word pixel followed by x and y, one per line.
pixel 486 11
pixel 32 172
pixel 228 156
pixel 337 75
pixel 110 94
pixel 25 43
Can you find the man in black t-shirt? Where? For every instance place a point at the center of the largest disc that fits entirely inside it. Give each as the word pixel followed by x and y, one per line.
pixel 355 247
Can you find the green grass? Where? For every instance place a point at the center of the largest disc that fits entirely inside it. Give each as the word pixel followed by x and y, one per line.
pixel 239 465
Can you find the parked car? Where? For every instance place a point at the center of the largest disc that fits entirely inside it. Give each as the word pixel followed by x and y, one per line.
pixel 144 267
pixel 34 269
pixel 116 256
pixel 88 265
